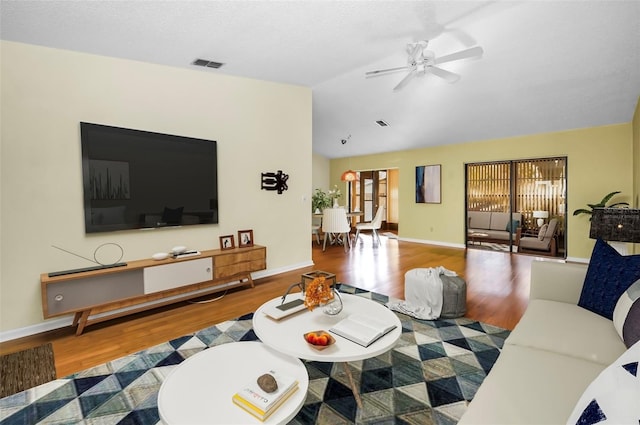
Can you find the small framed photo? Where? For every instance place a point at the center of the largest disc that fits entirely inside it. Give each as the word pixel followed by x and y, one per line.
pixel 245 238
pixel 227 242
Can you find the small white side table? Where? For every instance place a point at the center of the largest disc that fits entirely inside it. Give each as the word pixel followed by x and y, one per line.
pixel 199 390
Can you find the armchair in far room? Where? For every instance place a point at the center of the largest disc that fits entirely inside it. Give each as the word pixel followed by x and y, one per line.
pixel 374 226
pixel 545 243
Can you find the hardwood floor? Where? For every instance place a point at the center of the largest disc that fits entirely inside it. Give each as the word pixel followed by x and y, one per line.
pixel 497 293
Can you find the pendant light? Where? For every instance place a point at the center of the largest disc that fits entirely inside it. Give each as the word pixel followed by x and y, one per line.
pixel 349 175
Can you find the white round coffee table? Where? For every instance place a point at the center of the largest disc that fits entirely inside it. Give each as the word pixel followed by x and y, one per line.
pixel 199 390
pixel 286 335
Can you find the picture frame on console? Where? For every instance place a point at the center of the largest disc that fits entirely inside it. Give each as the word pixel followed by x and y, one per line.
pixel 227 242
pixel 245 238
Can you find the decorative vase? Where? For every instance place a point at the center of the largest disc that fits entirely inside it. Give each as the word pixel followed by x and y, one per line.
pixel 317 211
pixel 334 306
pixel 335 203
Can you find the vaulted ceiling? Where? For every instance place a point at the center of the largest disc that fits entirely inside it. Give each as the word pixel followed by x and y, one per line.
pixel 547 65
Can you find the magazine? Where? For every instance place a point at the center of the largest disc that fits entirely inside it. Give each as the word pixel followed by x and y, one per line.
pixel 362 329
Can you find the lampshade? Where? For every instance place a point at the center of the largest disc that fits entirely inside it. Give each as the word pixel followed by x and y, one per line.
pixel 615 224
pixel 349 176
pixel 541 214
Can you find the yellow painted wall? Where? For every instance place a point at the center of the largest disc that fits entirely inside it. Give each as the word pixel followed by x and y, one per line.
pixel 45 93
pixel 599 161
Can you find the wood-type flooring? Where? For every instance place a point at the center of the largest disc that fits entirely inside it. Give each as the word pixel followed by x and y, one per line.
pixel 497 293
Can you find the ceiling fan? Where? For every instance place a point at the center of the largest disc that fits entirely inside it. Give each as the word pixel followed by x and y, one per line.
pixel 421 61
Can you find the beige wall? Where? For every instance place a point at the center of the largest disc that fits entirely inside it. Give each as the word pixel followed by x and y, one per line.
pixel 259 126
pixel 599 162
pixel 320 175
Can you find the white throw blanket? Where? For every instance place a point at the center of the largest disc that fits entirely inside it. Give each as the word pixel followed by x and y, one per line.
pixel 424 300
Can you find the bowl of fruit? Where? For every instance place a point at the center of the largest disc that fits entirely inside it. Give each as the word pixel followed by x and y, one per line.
pixel 319 339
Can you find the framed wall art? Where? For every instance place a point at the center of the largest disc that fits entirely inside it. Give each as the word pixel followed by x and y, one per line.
pixel 227 242
pixel 245 238
pixel 428 184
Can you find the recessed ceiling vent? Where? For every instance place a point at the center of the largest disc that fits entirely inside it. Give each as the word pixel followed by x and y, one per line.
pixel 382 123
pixel 207 63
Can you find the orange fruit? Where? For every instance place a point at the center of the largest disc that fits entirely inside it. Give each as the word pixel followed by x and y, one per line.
pixel 312 338
pixel 322 340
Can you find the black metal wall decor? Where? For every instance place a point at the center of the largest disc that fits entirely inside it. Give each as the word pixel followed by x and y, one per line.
pixel 275 181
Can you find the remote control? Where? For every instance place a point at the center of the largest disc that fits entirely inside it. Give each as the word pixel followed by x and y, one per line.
pixel 290 305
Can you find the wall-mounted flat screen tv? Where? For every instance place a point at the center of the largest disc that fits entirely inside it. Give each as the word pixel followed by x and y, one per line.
pixel 137 179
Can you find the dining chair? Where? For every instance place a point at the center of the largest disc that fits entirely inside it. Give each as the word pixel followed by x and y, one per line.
pixel 373 225
pixel 315 228
pixel 334 222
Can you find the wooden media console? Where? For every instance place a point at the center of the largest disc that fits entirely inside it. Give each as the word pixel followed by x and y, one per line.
pixel 146 284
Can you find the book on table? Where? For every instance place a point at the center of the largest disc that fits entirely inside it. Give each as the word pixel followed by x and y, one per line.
pixel 261 404
pixel 362 329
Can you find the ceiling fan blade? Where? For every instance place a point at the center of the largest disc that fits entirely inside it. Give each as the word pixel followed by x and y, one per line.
pixel 405 80
pixel 385 71
pixel 448 76
pixel 474 52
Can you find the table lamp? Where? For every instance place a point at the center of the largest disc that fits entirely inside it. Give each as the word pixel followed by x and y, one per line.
pixel 540 215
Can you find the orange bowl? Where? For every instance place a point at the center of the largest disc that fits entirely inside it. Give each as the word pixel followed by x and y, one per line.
pixel 330 339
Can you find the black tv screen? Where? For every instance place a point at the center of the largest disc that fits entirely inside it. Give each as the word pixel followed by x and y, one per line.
pixel 137 179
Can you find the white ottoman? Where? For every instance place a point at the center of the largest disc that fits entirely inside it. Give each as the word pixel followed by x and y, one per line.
pixel 422 290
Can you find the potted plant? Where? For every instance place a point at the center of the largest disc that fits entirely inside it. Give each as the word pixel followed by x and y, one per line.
pixel 319 201
pixel 601 204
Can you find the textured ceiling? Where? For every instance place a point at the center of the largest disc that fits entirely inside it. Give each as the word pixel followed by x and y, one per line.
pixel 548 65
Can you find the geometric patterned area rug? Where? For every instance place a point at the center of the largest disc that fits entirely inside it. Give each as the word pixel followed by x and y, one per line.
pixel 429 377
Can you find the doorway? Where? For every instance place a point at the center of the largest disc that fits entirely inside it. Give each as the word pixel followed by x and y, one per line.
pixel 532 191
pixel 372 190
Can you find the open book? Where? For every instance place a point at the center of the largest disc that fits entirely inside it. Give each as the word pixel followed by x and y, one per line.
pixel 362 329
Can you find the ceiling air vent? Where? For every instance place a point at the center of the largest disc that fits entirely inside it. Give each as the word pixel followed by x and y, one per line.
pixel 382 123
pixel 207 63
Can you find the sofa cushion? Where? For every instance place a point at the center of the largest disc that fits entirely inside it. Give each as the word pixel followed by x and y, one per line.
pixel 499 220
pixel 542 232
pixel 626 315
pixel 614 395
pixel 530 386
pixel 479 219
pixel 533 243
pixel 562 328
pixel 512 225
pixel 608 276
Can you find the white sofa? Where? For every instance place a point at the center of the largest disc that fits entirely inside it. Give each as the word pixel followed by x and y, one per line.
pixel 550 358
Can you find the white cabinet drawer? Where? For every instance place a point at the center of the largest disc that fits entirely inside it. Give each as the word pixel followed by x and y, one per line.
pixel 169 276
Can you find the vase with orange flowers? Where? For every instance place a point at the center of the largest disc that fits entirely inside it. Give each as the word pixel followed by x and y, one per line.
pixel 321 293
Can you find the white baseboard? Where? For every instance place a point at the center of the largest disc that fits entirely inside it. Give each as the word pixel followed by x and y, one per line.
pixel 52 324
pixel 437 243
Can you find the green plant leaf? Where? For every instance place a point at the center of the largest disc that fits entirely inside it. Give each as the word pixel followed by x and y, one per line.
pixel 582 211
pixel 607 197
